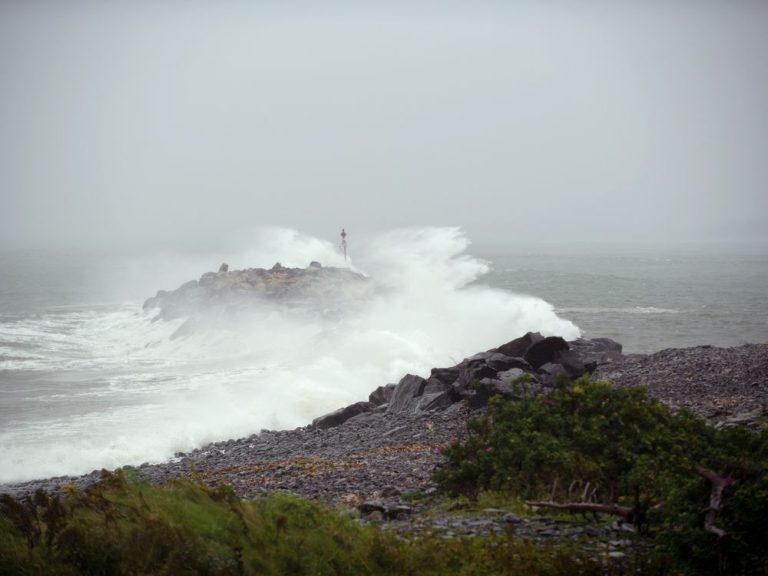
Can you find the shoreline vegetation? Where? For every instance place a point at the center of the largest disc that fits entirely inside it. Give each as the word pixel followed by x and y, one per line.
pixel 519 460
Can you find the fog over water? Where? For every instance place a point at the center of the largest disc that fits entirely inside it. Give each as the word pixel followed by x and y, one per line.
pixel 86 386
pixel 146 125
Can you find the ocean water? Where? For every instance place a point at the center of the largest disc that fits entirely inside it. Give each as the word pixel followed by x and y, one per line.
pixel 88 379
pixel 648 300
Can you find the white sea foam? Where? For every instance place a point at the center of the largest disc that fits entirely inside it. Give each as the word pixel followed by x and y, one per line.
pixel 118 390
pixel 622 310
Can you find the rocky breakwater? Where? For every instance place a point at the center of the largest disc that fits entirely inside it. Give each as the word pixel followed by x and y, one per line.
pixel 325 288
pixel 474 380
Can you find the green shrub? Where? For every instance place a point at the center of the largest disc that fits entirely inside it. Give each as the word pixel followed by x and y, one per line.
pixel 589 441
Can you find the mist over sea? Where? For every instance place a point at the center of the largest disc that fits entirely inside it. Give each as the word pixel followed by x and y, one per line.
pixel 88 380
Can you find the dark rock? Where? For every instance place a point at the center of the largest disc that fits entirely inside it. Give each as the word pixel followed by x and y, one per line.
pixel 511 518
pixel 224 267
pixel 547 350
pixel 435 386
pixel 445 375
pixel 569 360
pixel 596 352
pixel 437 400
pixel 404 397
pixel 315 264
pixel 551 371
pixel 470 370
pixel 519 346
pixel 382 395
pixel 488 388
pixel 501 362
pixel 370 506
pixel 341 415
pixel 508 375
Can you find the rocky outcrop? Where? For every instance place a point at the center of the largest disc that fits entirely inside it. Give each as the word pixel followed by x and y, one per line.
pixel 341 415
pixel 475 380
pixel 381 395
pixel 238 287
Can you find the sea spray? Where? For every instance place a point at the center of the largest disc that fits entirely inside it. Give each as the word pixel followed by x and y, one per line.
pixel 111 387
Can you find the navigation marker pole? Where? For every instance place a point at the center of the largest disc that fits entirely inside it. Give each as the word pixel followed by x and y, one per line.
pixel 344 244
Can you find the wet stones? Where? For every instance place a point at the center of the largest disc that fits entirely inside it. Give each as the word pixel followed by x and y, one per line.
pixel 338 417
pixel 518 347
pixel 722 384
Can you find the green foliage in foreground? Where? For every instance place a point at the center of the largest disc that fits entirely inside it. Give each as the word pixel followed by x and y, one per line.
pixel 120 527
pixel 590 441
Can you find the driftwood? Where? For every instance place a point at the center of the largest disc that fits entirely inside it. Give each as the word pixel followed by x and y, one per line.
pixel 715 499
pixel 636 514
pixel 628 514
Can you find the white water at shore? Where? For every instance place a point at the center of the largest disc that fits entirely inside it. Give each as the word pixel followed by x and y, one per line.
pixel 88 387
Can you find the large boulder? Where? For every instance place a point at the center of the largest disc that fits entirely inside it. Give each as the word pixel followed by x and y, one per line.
pixel 406 394
pixel 473 370
pixel 518 347
pixel 501 362
pixel 546 350
pixel 486 389
pixel 444 375
pixel 382 394
pixel 338 417
pixel 436 401
pixel 596 352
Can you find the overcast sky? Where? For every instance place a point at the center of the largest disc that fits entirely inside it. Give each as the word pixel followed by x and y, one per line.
pixel 184 124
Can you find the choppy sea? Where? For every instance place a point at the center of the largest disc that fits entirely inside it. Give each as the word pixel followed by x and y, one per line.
pixel 88 380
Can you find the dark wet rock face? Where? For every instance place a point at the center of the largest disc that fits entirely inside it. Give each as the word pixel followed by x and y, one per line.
pixel 338 417
pixel 548 350
pixel 406 394
pixel 597 352
pixel 518 347
pixel 486 374
pixel 382 395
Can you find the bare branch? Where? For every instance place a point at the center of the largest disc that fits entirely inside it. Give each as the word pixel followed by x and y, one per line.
pixel 715 500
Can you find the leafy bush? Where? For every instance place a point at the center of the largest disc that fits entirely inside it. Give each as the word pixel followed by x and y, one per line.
pixel 589 441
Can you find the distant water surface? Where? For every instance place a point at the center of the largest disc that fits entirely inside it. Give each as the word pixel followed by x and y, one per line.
pixel 648 302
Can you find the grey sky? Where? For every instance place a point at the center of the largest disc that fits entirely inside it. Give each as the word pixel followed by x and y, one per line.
pixel 183 124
